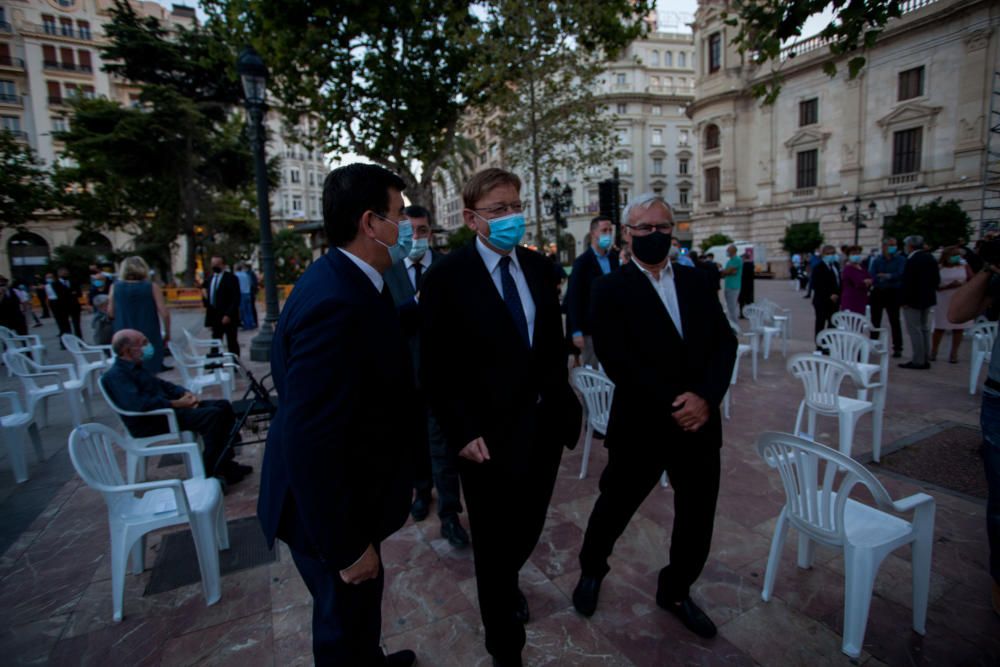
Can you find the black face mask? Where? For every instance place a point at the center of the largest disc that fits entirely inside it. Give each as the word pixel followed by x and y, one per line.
pixel 216 269
pixel 652 248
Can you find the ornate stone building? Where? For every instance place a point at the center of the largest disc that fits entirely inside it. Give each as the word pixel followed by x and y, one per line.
pixel 910 128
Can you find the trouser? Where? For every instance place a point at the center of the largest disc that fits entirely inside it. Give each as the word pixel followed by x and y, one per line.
pixel 693 469
pixel 587 355
pixel 824 312
pixel 347 618
pixel 248 319
pixel 918 327
pixel 990 423
pixel 437 466
pixel 213 421
pixel 507 499
pixel 732 303
pixel 231 334
pixel 888 300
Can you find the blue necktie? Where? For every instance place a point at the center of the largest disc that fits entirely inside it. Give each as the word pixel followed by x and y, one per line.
pixel 513 300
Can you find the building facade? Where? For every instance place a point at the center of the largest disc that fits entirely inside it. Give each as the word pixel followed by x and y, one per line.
pixel 910 128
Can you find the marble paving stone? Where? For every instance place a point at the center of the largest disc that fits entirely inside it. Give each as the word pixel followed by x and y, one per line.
pixel 293 650
pixel 558 549
pixel 815 592
pixel 31 643
pixel 243 642
pixel 895 579
pixel 418 595
pixel 455 641
pixel 626 593
pixel 735 545
pixel 566 638
pixel 657 639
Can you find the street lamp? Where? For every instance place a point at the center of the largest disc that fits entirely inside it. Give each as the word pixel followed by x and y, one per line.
pixel 858 219
pixel 557 202
pixel 253 74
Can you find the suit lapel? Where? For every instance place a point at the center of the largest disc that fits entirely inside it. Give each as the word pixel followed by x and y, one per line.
pixel 649 300
pixel 685 296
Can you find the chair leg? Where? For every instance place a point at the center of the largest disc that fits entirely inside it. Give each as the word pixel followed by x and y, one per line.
pixel 725 404
pixel 119 558
pixel 587 442
pixel 848 421
pixel 221 527
pixel 807 549
pixel 774 556
pixel 923 524
pixel 878 417
pixel 798 419
pixel 767 345
pixel 14 440
pixel 137 555
pixel 205 535
pixel 753 358
pixel 664 480
pixel 860 567
pixel 74 407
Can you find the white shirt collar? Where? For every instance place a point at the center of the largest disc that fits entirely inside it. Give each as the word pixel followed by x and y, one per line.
pixel 492 258
pixel 425 261
pixel 667 270
pixel 369 270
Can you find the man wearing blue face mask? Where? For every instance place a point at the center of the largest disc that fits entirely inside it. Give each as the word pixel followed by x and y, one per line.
pixel 493 364
pixel 435 464
pixel 826 282
pixel 598 260
pixel 887 272
pixel 134 389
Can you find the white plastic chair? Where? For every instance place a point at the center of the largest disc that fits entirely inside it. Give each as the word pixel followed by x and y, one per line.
pixel 741 349
pixel 846 320
pixel 65 382
pixel 598 391
pixel 781 318
pixel 88 358
pixel 983 336
pixel 821 377
pixel 760 323
pixel 15 425
pixel 202 347
pixel 12 342
pixel 137 509
pixel 198 373
pixel 820 510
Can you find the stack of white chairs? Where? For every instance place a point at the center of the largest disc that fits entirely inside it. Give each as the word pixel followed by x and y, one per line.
pixel 88 358
pixel 782 318
pixel 60 378
pixel 846 320
pixel 15 424
pixel 134 510
pixel 983 336
pixel 818 507
pixel 198 373
pixel 763 325
pixel 12 342
pixel 741 349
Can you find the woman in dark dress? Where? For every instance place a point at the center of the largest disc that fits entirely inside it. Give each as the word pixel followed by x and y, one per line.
pixel 136 303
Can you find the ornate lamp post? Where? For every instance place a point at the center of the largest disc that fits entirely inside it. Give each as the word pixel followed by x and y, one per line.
pixel 253 74
pixel 857 219
pixel 557 203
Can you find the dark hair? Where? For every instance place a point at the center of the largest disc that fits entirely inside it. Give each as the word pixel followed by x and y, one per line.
pixel 415 211
pixel 596 221
pixel 693 255
pixel 350 191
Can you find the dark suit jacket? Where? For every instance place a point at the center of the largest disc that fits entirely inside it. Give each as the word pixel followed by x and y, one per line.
pixel 920 280
pixel 650 363
pixel 397 279
pixel 227 300
pixel 480 377
pixel 825 283
pixel 135 389
pixel 68 300
pixel 337 473
pixel 581 280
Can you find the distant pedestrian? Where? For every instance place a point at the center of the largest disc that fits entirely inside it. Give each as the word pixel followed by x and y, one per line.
pixel 732 278
pixel 27 309
pixel 64 298
pixel 222 305
pixel 826 280
pixel 136 303
pixel 43 297
pixel 856 283
pixel 954 273
pixel 597 260
pixel 101 324
pixel 746 281
pixel 920 283
pixel 10 309
pixel 887 292
pixel 246 296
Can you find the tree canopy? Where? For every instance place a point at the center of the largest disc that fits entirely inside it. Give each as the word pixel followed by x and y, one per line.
pixel 24 185
pixel 940 223
pixel 714 240
pixel 803 237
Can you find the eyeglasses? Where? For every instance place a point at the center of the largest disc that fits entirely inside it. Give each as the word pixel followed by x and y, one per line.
pixel 499 209
pixel 391 222
pixel 643 229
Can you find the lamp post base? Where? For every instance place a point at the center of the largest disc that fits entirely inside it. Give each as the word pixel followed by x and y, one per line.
pixel 260 346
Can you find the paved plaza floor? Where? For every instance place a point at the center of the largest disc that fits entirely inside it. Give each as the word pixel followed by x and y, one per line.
pixel 55 590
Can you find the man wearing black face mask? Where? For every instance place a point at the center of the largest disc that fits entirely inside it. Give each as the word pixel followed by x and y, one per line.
pixel 663 339
pixel 222 305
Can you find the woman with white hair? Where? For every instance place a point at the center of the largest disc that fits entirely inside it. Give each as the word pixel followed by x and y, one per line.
pixel 136 303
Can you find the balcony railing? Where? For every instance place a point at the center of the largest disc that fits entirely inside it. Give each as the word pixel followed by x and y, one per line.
pixel 9 99
pixel 8 61
pixel 903 179
pixel 53 30
pixel 67 67
pixel 57 100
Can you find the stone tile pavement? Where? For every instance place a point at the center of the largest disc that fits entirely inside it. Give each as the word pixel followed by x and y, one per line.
pixel 55 605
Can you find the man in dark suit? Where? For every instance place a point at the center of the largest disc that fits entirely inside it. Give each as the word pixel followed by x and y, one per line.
pixel 825 283
pixel 664 341
pixel 66 305
pixel 597 260
pixel 222 305
pixel 919 295
pixel 337 474
pixel 493 364
pixel 435 464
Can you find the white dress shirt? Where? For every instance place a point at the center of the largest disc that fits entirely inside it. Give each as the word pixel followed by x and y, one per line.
pixel 425 262
pixel 369 270
pixel 213 287
pixel 667 291
pixel 491 259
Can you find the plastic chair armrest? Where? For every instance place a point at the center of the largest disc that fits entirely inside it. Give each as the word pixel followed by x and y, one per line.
pixel 166 412
pixel 14 399
pixel 33 339
pixel 189 449
pixel 70 369
pixel 175 485
pixel 911 503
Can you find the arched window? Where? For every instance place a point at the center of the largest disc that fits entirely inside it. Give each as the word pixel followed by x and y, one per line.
pixel 29 255
pixel 682 59
pixel 656 58
pixel 98 243
pixel 668 58
pixel 711 137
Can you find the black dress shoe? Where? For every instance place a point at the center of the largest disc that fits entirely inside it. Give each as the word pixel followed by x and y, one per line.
pixel 585 594
pixel 507 662
pixel 521 610
pixel 451 530
pixel 913 366
pixel 693 618
pixel 421 507
pixel 403 658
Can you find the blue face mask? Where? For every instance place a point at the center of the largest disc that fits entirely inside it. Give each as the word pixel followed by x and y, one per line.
pixel 148 352
pixel 506 232
pixel 891 249
pixel 604 241
pixel 419 248
pixel 830 259
pixel 97 283
pixel 404 239
pixel 855 258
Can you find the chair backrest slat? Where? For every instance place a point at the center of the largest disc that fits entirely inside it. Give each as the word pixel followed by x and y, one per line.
pixel 847 346
pixel 821 377
pixel 846 320
pixel 598 392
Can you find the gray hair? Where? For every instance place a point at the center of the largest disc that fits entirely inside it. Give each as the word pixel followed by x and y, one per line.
pixel 914 241
pixel 644 201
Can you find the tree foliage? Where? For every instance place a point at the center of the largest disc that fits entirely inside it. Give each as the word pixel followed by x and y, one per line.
pixel 291 256
pixel 763 26
pixel 803 237
pixel 714 240
pixel 24 184
pixel 941 224
pixel 462 236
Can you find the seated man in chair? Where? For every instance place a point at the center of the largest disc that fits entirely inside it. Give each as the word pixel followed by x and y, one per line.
pixel 134 389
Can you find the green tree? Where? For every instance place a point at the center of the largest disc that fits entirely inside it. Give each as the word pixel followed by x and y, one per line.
pixel 714 240
pixel 460 237
pixel 291 256
pixel 24 183
pixel 803 237
pixel 941 224
pixel 763 26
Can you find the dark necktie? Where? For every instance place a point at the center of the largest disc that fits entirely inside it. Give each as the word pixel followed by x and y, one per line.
pixel 418 272
pixel 513 300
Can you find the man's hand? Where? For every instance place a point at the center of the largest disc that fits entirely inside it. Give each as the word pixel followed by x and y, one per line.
pixel 834 297
pixel 188 400
pixel 694 413
pixel 364 569
pixel 225 320
pixel 578 342
pixel 476 451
